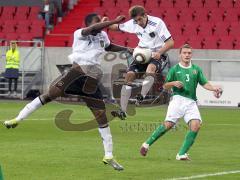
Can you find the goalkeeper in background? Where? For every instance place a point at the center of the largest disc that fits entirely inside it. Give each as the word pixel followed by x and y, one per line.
pixel 183 79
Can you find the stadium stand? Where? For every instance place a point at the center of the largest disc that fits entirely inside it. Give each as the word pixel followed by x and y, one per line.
pixel 213 19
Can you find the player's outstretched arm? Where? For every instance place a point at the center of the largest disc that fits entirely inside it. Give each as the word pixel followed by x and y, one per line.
pixel 168 45
pixel 116 48
pixel 210 87
pixel 113 27
pixel 101 25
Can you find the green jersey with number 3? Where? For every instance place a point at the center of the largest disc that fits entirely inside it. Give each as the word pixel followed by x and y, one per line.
pixel 189 76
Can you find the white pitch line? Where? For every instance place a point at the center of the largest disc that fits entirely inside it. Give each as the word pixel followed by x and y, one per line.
pixel 206 175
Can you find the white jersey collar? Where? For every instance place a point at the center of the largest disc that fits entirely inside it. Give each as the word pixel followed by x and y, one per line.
pixel 190 65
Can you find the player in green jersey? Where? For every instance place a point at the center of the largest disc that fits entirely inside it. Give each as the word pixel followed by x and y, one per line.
pixel 183 79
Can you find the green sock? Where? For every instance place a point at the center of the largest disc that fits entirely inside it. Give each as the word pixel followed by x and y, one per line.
pixel 156 134
pixel 188 142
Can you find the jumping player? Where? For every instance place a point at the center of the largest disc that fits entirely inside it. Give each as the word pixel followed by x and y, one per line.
pixel 152 33
pixel 83 79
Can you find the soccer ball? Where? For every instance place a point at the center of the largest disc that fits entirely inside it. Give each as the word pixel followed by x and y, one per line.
pixel 142 55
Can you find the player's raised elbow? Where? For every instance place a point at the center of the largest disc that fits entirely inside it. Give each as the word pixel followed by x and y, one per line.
pixel 166 86
pixel 170 43
pixel 114 27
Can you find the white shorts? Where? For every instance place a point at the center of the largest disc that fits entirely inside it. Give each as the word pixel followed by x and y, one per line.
pixel 180 107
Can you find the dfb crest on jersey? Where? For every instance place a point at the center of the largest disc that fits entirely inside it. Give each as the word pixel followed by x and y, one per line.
pixel 152 34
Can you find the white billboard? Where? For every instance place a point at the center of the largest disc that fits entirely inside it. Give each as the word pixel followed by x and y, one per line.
pixel 229 97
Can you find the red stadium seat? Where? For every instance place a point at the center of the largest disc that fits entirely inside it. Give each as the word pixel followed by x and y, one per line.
pixel 195 42
pixel 200 14
pixel 211 42
pixel 190 29
pixel 196 4
pixel 34 12
pixel 232 15
pixel 113 13
pixel 179 41
pixel 8 12
pixel 176 29
pixel 57 41
pixel 234 29
pixel 185 15
pixel 11 36
pixel 181 4
pixel 151 4
pixel 132 40
pixel 109 4
pixel 37 31
pixel 1 9
pixel 170 15
pixel 227 4
pixel 39 23
pixel 123 4
pixel 22 13
pixel 227 42
pixel 2 36
pixel 101 11
pixel 166 4
pixel 237 43
pixel 9 26
pixel 236 3
pixel 22 28
pixel 206 29
pixel 215 14
pixel 158 12
pixel 25 37
pixel 136 2
pixel 221 29
pixel 211 4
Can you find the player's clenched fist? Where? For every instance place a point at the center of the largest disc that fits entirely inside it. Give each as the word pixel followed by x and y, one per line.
pixel 120 19
pixel 104 19
pixel 178 84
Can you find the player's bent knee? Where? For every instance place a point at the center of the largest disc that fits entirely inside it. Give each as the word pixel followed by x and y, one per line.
pixel 168 124
pixel 195 125
pixel 45 98
pixel 55 92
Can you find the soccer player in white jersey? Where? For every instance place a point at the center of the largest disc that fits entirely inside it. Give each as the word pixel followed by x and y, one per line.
pixel 183 79
pixel 83 79
pixel 153 34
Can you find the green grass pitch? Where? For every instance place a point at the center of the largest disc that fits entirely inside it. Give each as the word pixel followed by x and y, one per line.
pixel 38 150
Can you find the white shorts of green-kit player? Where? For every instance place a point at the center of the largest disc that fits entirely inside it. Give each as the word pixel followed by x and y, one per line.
pixel 184 107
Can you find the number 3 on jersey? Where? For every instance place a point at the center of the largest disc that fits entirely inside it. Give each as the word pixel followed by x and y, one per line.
pixel 187 78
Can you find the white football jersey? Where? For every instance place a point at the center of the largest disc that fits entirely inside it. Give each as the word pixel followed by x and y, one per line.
pixel 152 36
pixel 87 49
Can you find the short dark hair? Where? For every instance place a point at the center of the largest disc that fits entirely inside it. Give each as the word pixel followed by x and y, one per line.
pixel 184 46
pixel 137 10
pixel 89 18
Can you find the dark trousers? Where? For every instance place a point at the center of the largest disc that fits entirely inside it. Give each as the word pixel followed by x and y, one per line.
pixel 10 80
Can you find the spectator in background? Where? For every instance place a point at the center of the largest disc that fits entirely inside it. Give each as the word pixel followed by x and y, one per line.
pixel 47 13
pixel 12 67
pixel 58 6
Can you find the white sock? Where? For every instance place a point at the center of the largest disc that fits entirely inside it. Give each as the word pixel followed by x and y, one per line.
pixel 125 95
pixel 146 85
pixel 29 108
pixel 107 141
